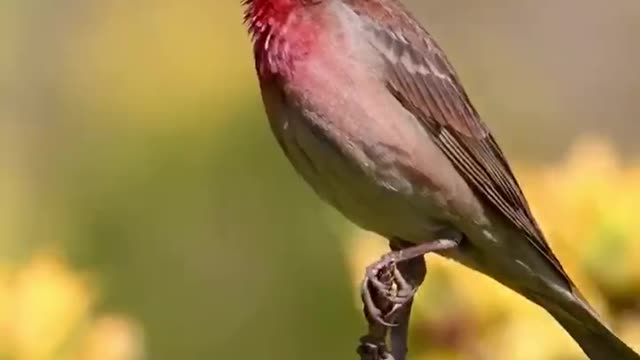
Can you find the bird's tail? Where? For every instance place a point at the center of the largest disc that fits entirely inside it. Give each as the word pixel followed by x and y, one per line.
pixel 586 328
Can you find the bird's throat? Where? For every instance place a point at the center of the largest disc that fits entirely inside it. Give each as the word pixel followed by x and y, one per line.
pixel 283 32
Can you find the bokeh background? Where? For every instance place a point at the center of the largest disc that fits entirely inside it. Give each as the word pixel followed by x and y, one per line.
pixel 146 212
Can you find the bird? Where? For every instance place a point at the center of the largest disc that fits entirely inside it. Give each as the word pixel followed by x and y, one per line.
pixel 372 115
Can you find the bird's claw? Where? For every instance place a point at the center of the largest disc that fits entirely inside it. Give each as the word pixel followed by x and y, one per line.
pixel 392 290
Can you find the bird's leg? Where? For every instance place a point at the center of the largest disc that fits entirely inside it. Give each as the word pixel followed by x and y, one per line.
pixel 387 292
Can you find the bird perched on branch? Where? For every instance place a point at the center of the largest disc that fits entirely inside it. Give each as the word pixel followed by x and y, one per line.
pixel 372 115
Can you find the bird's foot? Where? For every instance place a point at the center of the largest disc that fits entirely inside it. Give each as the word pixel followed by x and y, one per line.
pixel 385 290
pixel 387 293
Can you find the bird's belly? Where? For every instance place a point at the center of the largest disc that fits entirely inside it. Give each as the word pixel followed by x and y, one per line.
pixel 365 186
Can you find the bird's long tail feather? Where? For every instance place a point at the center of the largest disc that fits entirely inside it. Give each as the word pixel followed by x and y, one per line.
pixel 585 327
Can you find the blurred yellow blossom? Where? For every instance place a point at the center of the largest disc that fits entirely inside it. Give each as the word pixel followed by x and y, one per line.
pixel 48 302
pixel 587 207
pixel 113 337
pixel 45 308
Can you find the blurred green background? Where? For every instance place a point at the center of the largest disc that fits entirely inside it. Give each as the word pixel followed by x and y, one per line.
pixel 147 213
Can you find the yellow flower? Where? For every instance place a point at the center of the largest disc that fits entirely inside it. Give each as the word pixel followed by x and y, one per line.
pixel 49 303
pixel 113 338
pixel 46 314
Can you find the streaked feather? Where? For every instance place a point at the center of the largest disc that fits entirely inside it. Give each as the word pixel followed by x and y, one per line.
pixel 422 79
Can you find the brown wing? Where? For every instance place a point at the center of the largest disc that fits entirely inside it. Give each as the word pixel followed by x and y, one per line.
pixel 422 79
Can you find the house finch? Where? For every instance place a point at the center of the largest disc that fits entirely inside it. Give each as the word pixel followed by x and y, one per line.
pixel 372 115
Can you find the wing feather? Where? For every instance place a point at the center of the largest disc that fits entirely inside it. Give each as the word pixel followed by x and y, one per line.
pixel 422 79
